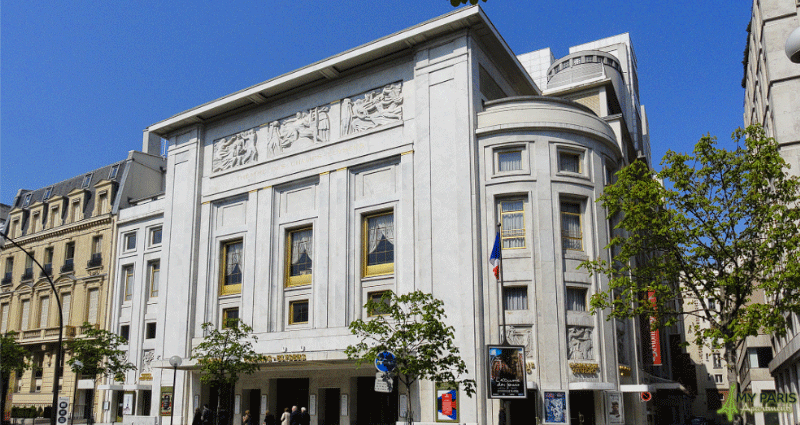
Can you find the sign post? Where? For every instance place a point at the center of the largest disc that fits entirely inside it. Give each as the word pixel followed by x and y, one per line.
pixel 63 410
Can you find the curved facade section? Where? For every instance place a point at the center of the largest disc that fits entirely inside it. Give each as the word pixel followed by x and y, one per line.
pixel 546 161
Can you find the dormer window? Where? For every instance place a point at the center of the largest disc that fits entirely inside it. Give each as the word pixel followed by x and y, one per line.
pixel 102 202
pixel 75 211
pixel 86 180
pixel 27 200
pixel 47 193
pixel 113 173
pixel 36 219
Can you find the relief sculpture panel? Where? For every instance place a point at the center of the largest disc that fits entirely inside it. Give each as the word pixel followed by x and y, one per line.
pixel 306 127
pixel 579 343
pixel 234 151
pixel 372 109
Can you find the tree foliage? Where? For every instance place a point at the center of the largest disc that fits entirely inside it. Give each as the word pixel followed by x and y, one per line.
pixel 98 350
pixel 720 237
pixel 14 358
pixel 411 326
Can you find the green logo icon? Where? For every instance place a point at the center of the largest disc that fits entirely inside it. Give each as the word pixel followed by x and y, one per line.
pixel 729 408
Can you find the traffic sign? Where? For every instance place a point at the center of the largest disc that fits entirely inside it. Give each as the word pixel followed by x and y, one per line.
pixel 383 382
pixel 63 413
pixel 385 361
pixel 646 396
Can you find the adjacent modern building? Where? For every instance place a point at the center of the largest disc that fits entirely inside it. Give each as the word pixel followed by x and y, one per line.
pixel 68 228
pixel 772 83
pixel 289 204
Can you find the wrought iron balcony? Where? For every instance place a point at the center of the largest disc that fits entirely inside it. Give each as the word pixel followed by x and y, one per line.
pixel 47 270
pixel 6 279
pixel 69 265
pixel 96 261
pixel 28 275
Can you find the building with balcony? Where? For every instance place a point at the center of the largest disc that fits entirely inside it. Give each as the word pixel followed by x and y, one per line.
pixel 68 227
pixel 290 203
pixel 772 83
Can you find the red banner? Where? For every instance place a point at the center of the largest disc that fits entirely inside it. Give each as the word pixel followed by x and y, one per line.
pixel 655 337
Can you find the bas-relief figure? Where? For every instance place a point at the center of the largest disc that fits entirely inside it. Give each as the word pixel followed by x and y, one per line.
pixel 372 109
pixel 147 359
pixel 580 343
pixel 234 151
pixel 519 335
pixel 312 126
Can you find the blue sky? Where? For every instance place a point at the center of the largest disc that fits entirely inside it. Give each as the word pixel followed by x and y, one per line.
pixel 80 80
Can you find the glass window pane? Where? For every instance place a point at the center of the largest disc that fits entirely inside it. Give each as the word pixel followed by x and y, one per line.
pixel 512 221
pixel 233 263
pixel 155 272
pixel 298 312
pixel 571 226
pixel 515 297
pixel 569 162
pixel 302 246
pixel 509 160
pixel 380 239
pixel 576 299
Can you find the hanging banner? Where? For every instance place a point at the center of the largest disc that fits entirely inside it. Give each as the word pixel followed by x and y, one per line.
pixel 446 403
pixel 507 372
pixel 166 401
pixel 614 408
pixel 655 336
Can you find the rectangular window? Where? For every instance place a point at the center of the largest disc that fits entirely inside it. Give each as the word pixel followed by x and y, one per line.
pixel 512 222
pixel 94 305
pixel 382 304
pixel 66 303
pixel 77 215
pixel 26 311
pixel 569 162
pixel 150 330
pixel 717 379
pixel 509 160
pixel 130 241
pixel 47 193
pixel 55 217
pixel 717 360
pixel 515 297
pixel 154 272
pixel 4 309
pixel 127 282
pixel 299 257
pixel 36 219
pixel 230 317
pixel 378 245
pixel 86 180
pixel 611 173
pixel 155 236
pixel 571 232
pixel 28 272
pixel 298 312
pixel 9 270
pixel 102 203
pixel 48 261
pixel 69 258
pixel 113 172
pixel 97 256
pixel 125 332
pixel 44 311
pixel 231 267
pixel 576 299
pixel 27 200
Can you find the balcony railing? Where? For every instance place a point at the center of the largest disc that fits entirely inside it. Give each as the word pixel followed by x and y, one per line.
pixel 6 279
pixel 96 261
pixel 69 265
pixel 47 270
pixel 28 274
pixel 46 333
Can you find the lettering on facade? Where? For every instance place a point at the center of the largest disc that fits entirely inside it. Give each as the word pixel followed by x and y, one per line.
pixel 372 109
pixel 146 377
pixel 624 371
pixel 280 358
pixel 584 368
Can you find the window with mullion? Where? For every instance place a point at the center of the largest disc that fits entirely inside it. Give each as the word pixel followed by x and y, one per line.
pixel 571 231
pixel 127 276
pixel 300 257
pixel 154 274
pixel 232 267
pixel 378 244
pixel 512 222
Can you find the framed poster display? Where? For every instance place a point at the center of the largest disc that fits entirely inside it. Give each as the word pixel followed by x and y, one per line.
pixel 166 401
pixel 556 410
pixel 507 372
pixel 446 403
pixel 614 408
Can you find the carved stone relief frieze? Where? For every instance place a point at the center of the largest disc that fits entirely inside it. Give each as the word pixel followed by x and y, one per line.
pixel 147 358
pixel 580 345
pixel 312 126
pixel 521 335
pixel 235 151
pixel 372 109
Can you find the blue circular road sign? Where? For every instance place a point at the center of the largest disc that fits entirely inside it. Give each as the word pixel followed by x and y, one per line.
pixel 385 362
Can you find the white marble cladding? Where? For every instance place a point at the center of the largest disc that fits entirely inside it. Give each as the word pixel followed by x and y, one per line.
pixel 309 128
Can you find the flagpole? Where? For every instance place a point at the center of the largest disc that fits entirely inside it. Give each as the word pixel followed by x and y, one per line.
pixel 504 341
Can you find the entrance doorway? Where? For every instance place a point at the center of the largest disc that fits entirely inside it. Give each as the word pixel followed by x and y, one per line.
pixel 520 411
pixel 373 407
pixel 329 406
pixel 251 400
pixel 581 407
pixel 292 392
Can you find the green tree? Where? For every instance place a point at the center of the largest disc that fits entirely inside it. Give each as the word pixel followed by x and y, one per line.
pixel 411 327
pixel 223 355
pixel 98 351
pixel 721 237
pixel 14 358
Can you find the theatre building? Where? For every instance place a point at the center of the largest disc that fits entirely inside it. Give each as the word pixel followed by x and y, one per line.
pixel 291 203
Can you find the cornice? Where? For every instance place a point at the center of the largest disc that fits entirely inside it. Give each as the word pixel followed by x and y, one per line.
pixel 107 218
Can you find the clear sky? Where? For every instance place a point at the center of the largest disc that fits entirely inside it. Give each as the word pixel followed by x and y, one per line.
pixel 80 80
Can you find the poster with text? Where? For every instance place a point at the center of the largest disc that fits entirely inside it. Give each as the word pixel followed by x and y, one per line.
pixel 507 372
pixel 166 401
pixel 446 403
pixel 555 407
pixel 614 408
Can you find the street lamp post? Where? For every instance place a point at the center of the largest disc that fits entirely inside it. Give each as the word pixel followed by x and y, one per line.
pixel 175 361
pixel 59 354
pixel 77 366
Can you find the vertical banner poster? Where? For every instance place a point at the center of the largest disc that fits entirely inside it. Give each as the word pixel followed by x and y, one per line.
pixel 555 407
pixel 507 372
pixel 127 403
pixel 655 337
pixel 166 401
pixel 446 403
pixel 614 408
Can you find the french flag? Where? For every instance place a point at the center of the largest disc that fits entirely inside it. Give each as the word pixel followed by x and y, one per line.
pixel 494 259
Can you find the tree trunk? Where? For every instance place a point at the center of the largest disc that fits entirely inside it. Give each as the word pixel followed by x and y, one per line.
pixel 733 380
pixel 5 380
